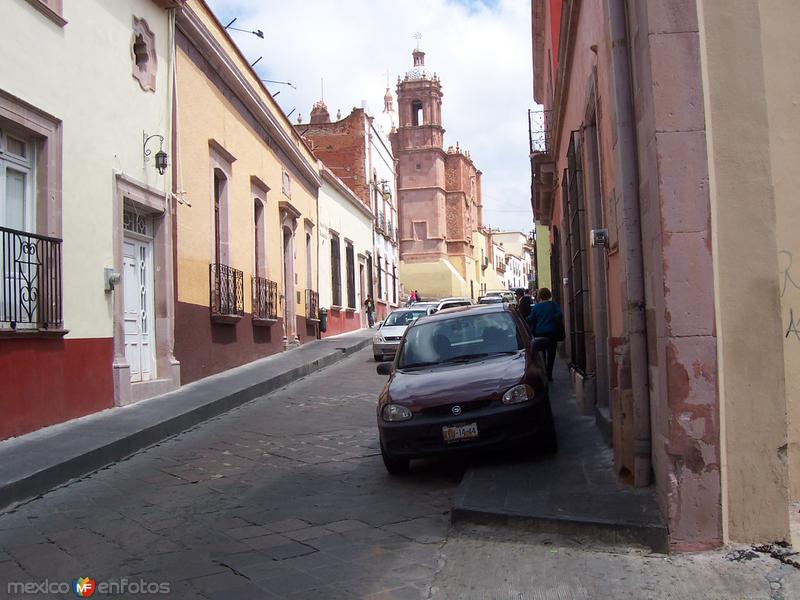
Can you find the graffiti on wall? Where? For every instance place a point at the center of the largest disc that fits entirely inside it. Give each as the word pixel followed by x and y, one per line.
pixel 789 282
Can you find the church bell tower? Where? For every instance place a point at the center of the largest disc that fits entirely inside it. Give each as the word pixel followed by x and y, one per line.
pixel 417 143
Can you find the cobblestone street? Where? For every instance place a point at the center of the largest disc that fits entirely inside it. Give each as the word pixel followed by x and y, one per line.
pixel 284 497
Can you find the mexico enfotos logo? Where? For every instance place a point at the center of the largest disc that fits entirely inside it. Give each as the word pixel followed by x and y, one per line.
pixel 87 587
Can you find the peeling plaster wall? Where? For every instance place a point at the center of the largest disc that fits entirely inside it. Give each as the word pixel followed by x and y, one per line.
pixel 676 234
pixel 749 187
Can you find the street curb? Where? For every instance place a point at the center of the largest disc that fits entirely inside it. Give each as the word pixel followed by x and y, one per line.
pixel 38 483
pixel 653 537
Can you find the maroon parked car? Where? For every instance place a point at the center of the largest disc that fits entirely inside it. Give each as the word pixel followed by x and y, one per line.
pixel 464 378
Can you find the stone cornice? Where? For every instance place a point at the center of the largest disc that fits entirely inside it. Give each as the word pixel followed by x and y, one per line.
pixel 189 23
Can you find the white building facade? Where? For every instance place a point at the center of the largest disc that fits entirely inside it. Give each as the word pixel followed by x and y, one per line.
pixel 87 315
pixel 345 243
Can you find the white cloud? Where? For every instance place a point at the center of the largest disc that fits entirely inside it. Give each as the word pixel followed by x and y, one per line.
pixel 480 50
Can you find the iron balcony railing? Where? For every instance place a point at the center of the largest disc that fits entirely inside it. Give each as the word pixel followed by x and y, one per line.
pixel 312 305
pixel 380 223
pixel 30 288
pixel 539 124
pixel 265 299
pixel 227 290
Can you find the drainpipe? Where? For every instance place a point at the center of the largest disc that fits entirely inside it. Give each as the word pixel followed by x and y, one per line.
pixel 626 171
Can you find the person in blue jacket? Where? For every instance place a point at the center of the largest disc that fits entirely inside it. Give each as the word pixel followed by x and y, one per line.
pixel 547 321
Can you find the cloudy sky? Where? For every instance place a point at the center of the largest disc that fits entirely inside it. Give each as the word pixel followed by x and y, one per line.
pixel 481 50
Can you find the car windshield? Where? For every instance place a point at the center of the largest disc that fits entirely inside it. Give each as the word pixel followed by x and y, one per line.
pixel 454 304
pixel 402 318
pixel 491 300
pixel 464 338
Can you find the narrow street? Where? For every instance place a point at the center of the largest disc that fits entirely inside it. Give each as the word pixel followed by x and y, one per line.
pixel 286 497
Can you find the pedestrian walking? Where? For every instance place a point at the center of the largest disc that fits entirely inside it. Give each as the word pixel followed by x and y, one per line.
pixel 546 321
pixel 417 296
pixel 369 307
pixel 414 296
pixel 524 302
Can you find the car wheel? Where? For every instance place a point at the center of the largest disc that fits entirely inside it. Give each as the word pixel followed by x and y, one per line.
pixel 394 465
pixel 377 357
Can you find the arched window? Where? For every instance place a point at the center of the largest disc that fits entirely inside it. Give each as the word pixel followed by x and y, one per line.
pixel 416 113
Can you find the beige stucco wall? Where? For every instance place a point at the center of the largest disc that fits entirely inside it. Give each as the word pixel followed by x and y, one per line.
pixel 780 46
pixel 81 75
pixel 433 279
pixel 543 277
pixel 749 187
pixel 204 114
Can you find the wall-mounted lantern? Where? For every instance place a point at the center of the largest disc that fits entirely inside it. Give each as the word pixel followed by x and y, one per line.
pixel 161 156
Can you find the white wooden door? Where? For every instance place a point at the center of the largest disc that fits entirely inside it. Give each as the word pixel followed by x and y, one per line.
pixel 138 312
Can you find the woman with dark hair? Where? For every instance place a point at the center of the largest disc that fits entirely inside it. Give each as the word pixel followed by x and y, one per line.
pixel 547 321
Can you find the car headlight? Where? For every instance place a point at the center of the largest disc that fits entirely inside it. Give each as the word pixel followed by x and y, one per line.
pixel 395 412
pixel 517 394
pixel 378 339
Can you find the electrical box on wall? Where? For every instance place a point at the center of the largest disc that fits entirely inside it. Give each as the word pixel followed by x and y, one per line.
pixel 599 238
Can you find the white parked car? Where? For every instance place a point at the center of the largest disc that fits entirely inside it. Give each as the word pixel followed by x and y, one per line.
pixel 391 331
pixel 452 303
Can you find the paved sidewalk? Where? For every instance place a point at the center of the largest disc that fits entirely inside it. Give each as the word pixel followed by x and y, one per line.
pixel 34 463
pixel 574 492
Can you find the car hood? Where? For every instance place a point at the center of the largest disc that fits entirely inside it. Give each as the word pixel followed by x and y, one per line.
pixel 392 330
pixel 463 382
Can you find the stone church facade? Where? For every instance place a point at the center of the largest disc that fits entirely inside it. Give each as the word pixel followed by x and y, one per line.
pixel 439 195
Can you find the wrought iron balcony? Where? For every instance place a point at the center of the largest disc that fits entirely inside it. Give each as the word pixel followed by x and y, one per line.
pixel 30 281
pixel 312 305
pixel 265 300
pixel 227 293
pixel 539 124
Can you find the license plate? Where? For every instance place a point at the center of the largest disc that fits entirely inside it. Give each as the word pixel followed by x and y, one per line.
pixel 460 433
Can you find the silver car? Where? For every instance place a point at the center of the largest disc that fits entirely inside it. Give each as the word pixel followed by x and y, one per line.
pixel 391 331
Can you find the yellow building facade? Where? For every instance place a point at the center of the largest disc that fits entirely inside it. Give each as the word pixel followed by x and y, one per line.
pixel 247 191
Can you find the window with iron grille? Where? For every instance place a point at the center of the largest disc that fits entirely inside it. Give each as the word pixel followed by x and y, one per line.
pixel 351 274
pixel 336 270
pixel 577 274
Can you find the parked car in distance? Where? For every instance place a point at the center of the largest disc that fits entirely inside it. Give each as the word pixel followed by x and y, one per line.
pixel 391 330
pixel 463 379
pixel 446 303
pixel 490 300
pixel 428 307
pixel 506 295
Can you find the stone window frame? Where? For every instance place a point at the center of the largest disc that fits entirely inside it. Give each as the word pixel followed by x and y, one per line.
pixel 144 59
pixel 259 192
pixel 45 134
pixel 152 202
pixel 52 9
pixel 222 160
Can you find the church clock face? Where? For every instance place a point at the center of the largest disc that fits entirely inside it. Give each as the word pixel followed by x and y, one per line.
pixel 416 73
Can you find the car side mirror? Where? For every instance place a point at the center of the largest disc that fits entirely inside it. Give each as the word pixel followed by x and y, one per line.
pixel 384 368
pixel 540 344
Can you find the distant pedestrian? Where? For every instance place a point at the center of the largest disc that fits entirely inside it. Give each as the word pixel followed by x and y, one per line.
pixel 414 296
pixel 417 296
pixel 369 307
pixel 524 302
pixel 546 320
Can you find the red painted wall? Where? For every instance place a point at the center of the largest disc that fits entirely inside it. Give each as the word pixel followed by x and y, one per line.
pixel 342 321
pixel 555 30
pixel 48 381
